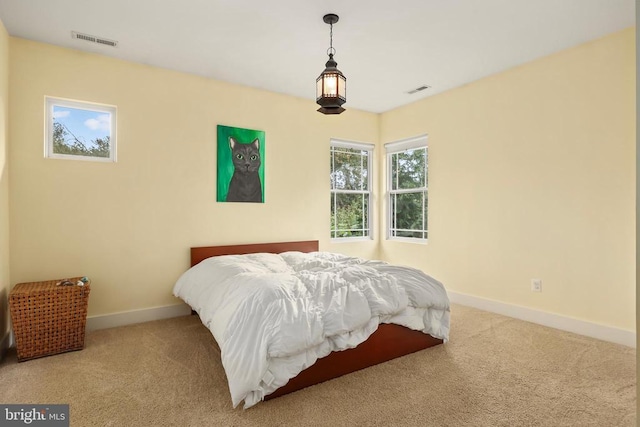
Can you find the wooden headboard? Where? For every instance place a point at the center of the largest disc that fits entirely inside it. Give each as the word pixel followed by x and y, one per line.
pixel 204 252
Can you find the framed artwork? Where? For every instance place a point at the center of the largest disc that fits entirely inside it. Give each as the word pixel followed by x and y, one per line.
pixel 240 165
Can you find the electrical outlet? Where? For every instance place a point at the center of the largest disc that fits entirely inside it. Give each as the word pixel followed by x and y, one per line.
pixel 536 285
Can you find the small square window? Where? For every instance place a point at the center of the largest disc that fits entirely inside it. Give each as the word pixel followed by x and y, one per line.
pixel 80 130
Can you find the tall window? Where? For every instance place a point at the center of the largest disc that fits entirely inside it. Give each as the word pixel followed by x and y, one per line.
pixel 350 190
pixel 80 130
pixel 407 192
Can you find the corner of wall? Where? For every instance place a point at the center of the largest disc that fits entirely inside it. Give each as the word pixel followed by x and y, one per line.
pixel 637 189
pixel 5 278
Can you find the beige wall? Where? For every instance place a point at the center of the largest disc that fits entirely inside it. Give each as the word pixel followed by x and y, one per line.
pixel 5 281
pixel 129 225
pixel 532 175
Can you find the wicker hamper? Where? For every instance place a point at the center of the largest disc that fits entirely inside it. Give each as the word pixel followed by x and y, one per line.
pixel 47 318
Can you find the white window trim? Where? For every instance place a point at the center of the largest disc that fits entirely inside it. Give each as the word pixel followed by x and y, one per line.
pixel 417 142
pixel 50 102
pixel 364 147
pixel 420 141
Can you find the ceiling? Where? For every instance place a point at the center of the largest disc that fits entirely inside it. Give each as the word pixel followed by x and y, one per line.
pixel 384 48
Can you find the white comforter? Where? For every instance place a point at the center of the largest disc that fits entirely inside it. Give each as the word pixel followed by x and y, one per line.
pixel 275 315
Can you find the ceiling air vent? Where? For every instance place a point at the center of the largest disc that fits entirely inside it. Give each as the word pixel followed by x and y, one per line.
pixel 418 89
pixel 93 39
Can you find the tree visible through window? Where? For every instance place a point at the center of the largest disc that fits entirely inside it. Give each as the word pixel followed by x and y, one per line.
pixel 350 189
pixel 80 130
pixel 407 189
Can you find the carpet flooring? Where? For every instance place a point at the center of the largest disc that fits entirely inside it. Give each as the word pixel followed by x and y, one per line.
pixel 495 371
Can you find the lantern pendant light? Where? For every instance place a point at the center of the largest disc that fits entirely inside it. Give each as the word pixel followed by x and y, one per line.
pixel 331 85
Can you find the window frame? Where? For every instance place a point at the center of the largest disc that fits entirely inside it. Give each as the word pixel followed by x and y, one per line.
pixel 414 143
pixel 369 148
pixel 51 102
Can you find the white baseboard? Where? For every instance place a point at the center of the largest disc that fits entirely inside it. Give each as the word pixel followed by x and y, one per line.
pixel 136 316
pixel 569 324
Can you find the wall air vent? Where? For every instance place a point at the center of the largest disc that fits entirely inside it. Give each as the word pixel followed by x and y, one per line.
pixel 93 39
pixel 418 89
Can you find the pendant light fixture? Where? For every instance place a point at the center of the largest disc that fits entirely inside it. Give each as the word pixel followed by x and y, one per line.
pixel 331 85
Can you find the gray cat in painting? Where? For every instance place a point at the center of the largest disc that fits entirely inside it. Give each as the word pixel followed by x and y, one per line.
pixel 245 185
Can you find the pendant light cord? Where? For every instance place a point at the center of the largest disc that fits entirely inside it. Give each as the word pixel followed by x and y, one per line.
pixel 331 51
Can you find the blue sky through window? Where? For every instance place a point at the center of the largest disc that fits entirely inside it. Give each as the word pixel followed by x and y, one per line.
pixel 86 125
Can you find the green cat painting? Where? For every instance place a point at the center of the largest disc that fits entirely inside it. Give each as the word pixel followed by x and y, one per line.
pixel 240 165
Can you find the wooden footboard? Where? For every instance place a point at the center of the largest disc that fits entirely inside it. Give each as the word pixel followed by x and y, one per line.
pixel 388 342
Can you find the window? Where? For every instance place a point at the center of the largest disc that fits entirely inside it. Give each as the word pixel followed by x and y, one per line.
pixel 80 130
pixel 350 190
pixel 407 188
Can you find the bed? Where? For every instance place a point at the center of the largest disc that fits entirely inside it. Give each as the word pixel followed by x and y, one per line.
pixel 388 340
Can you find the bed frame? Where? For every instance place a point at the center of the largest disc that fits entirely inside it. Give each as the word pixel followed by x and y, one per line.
pixel 388 342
